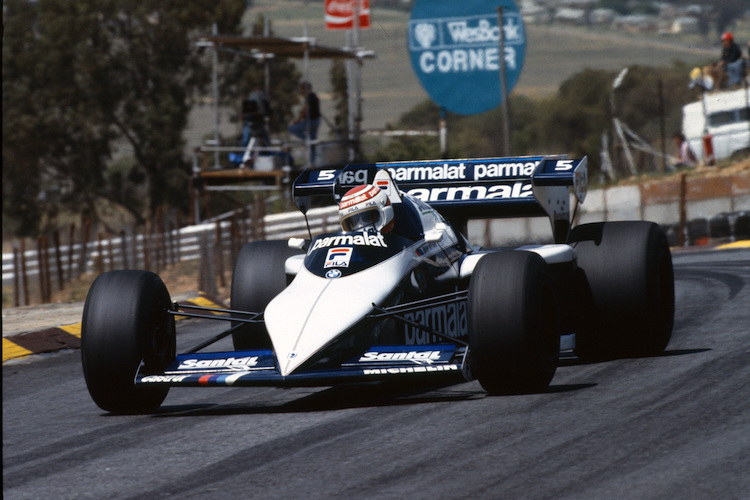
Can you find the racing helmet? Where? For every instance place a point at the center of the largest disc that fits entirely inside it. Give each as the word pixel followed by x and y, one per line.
pixel 364 206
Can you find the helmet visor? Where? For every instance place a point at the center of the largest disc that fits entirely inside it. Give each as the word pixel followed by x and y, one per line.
pixel 360 219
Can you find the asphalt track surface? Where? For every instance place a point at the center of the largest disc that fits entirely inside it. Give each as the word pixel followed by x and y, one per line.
pixel 673 426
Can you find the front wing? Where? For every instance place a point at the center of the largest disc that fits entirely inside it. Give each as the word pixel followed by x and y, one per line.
pixel 261 368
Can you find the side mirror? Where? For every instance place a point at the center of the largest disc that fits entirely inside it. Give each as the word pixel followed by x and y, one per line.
pixel 434 235
pixel 298 243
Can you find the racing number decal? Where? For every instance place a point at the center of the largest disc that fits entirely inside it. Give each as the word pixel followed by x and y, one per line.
pixel 564 164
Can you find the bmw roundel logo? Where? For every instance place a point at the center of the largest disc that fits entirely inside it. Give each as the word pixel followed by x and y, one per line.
pixel 333 273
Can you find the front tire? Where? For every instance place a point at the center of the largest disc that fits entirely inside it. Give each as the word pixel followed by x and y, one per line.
pixel 126 329
pixel 513 323
pixel 259 276
pixel 627 284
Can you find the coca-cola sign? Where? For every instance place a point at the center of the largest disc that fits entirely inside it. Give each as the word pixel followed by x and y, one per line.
pixel 340 14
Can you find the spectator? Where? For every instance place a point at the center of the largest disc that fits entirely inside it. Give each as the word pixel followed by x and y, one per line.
pixel 307 122
pixel 730 69
pixel 684 155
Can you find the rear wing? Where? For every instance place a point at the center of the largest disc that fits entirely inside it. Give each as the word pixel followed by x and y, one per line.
pixel 460 190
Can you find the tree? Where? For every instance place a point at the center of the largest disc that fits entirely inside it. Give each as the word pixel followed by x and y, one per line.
pixel 340 90
pixel 90 81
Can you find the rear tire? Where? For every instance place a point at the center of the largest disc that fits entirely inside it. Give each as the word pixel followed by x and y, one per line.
pixel 627 284
pixel 513 323
pixel 126 328
pixel 259 276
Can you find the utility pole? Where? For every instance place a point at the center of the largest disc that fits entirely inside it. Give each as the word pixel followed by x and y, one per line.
pixel 503 87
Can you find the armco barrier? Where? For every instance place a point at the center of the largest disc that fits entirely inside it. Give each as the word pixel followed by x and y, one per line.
pixel 659 201
pixel 186 242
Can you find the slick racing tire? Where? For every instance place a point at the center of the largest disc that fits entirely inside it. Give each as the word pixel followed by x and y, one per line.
pixel 514 332
pixel 258 277
pixel 126 329
pixel 626 288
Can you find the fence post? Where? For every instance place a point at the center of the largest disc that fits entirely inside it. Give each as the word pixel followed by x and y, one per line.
pixel 124 249
pixel 261 217
pixel 86 234
pixel 147 246
pixel 178 238
pixel 111 252
pixel 219 254
pixel 99 262
pixel 71 245
pixel 134 245
pixel 42 269
pixel 24 277
pixel 16 276
pixel 58 259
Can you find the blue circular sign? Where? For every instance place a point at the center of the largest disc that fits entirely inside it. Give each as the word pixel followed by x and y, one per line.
pixel 455 51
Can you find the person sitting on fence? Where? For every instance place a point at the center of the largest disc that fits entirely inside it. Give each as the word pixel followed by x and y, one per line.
pixel 730 69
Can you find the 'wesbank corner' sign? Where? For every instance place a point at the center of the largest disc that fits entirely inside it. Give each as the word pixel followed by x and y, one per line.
pixel 455 51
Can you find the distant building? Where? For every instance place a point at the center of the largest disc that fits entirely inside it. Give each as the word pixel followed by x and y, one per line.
pixel 570 16
pixel 602 16
pixel 685 25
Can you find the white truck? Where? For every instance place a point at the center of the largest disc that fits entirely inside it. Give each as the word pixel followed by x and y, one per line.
pixel 725 116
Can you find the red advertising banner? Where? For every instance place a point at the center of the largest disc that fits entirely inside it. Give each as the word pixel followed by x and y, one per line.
pixel 340 14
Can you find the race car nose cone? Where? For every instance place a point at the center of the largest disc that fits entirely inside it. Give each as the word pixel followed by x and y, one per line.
pixel 312 311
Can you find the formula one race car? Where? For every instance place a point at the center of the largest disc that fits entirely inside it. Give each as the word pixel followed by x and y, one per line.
pixel 399 292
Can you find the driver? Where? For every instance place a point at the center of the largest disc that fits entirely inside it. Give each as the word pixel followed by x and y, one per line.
pixel 366 206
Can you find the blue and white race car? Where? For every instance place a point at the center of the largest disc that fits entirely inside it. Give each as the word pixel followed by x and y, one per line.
pixel 399 291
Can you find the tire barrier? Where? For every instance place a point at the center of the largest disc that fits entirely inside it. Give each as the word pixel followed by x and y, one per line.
pixel 742 226
pixel 720 227
pixel 697 232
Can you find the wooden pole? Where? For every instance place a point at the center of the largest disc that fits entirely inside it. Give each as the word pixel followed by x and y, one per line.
pixel 42 270
pixel 58 259
pixel 111 251
pixel 16 276
pixel 219 254
pixel 24 276
pixel 124 249
pixel 147 246
pixel 99 263
pixel 503 87
pixel 71 244
pixel 86 234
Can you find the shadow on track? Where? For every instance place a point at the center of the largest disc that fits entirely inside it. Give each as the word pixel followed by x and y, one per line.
pixel 337 398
